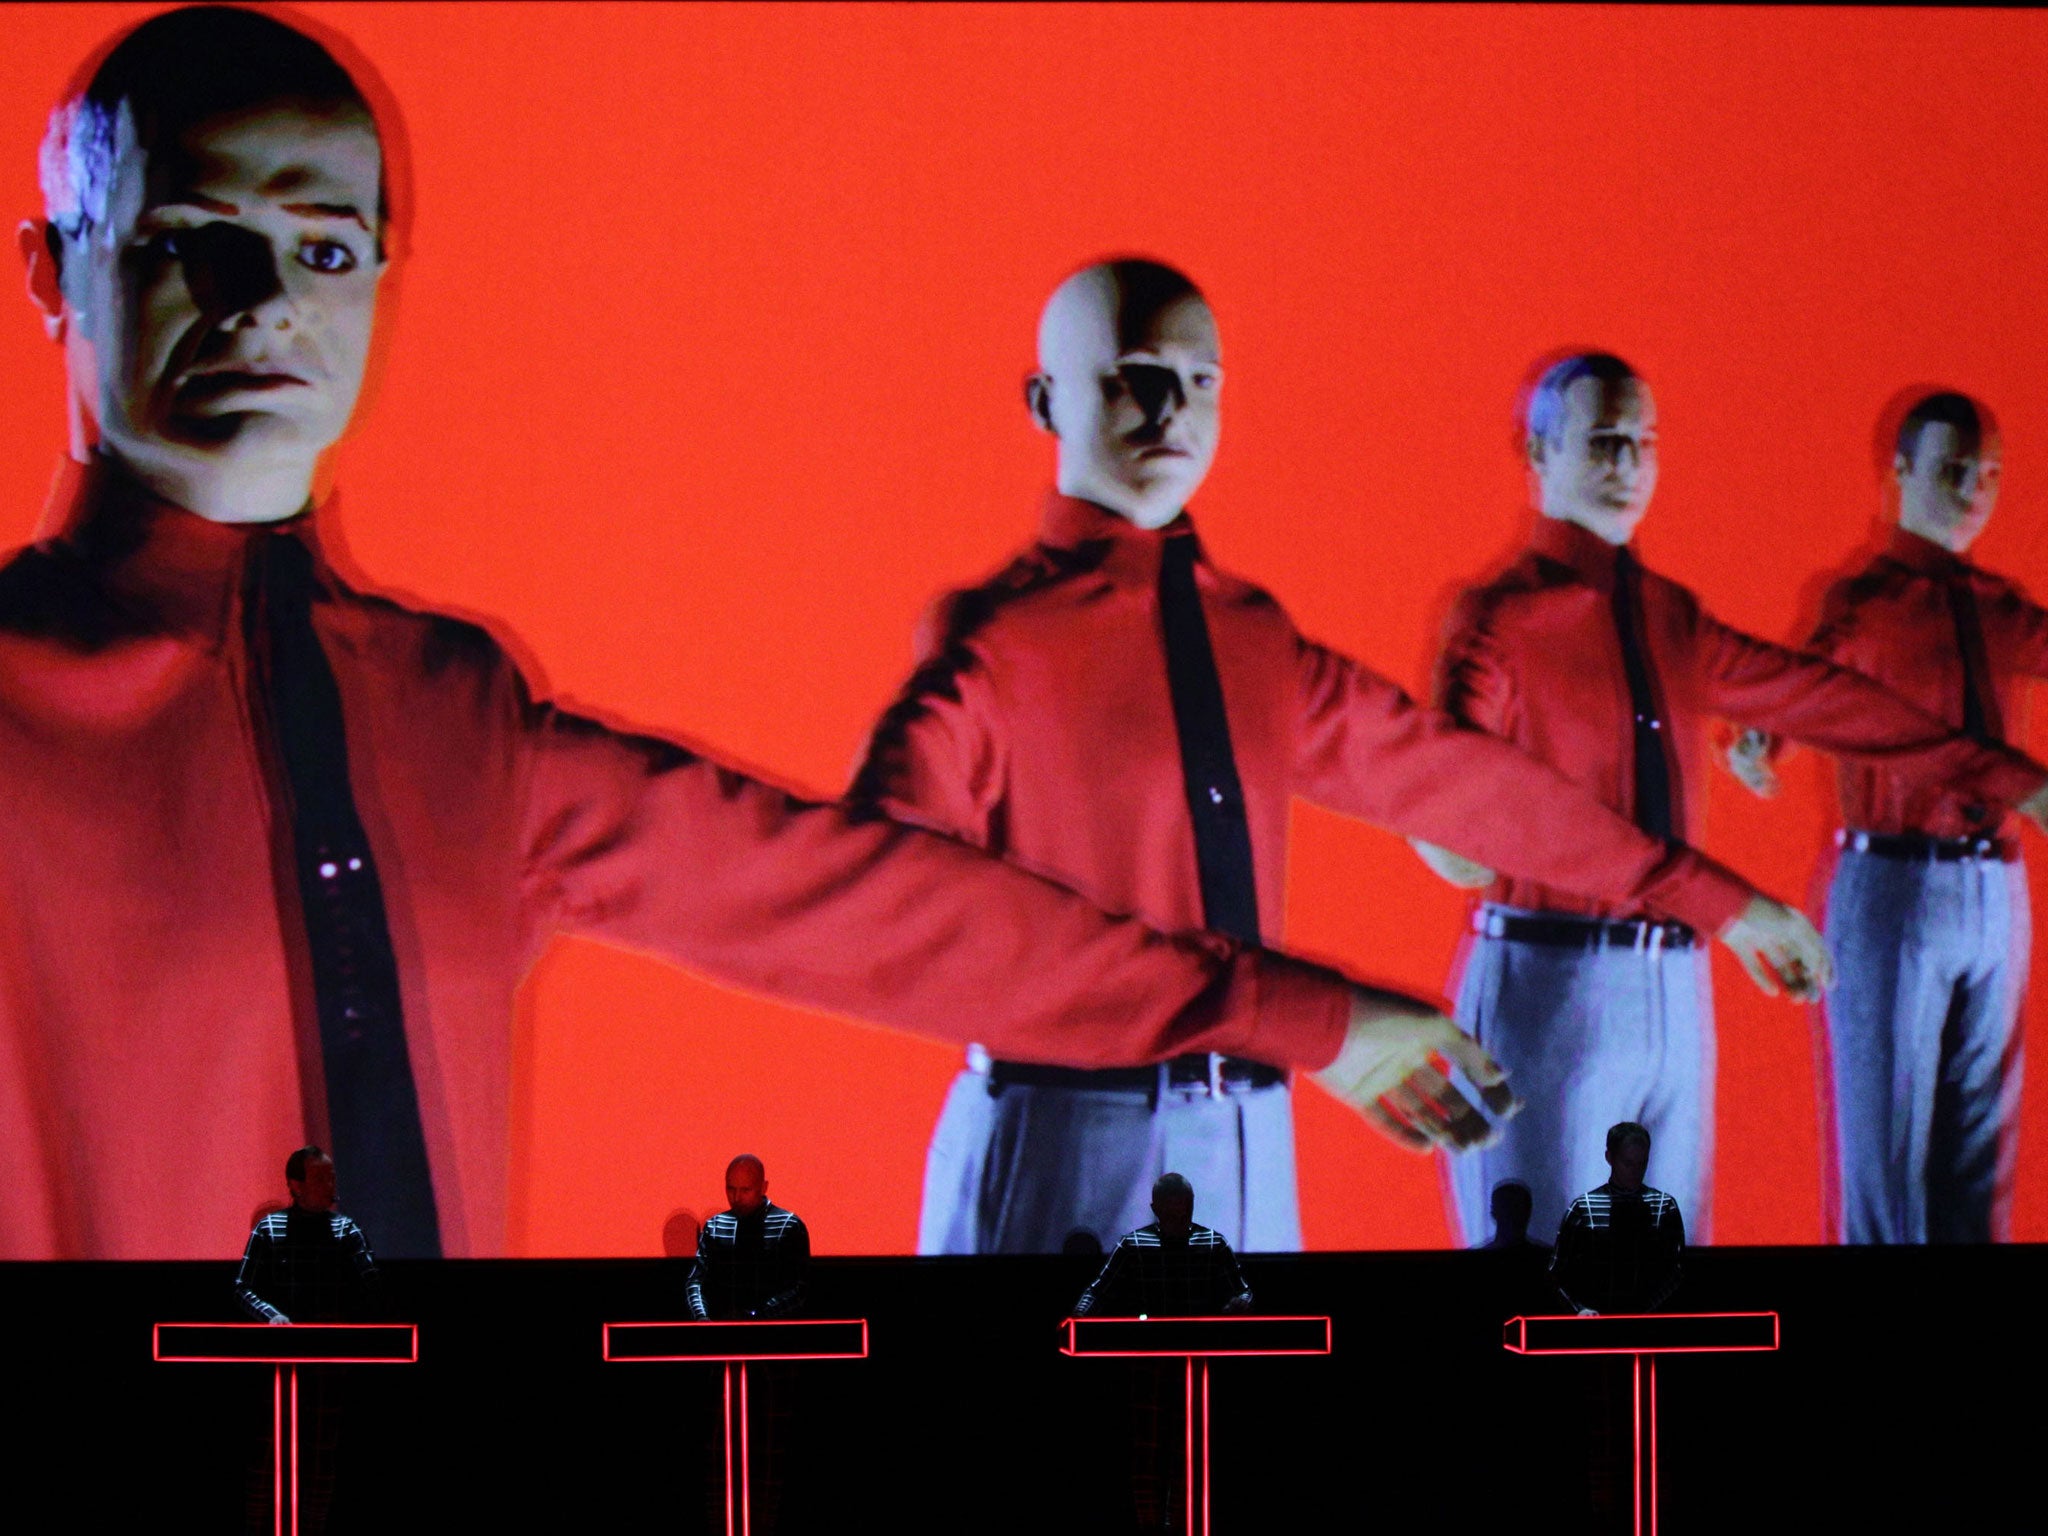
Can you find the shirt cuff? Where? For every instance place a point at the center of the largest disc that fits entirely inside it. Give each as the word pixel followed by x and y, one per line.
pixel 2008 775
pixel 1297 1012
pixel 1700 893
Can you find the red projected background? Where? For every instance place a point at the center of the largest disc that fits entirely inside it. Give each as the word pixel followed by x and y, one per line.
pixel 700 377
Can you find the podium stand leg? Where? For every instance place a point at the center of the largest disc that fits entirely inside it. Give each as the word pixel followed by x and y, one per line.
pixel 284 1451
pixel 738 1521
pixel 1646 1446
pixel 1196 1421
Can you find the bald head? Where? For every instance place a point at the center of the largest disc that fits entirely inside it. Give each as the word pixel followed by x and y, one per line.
pixel 746 1184
pixel 1129 371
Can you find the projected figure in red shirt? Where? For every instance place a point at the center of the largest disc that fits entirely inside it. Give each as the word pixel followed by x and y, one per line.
pixel 284 850
pixel 1115 710
pixel 1927 909
pixel 1611 672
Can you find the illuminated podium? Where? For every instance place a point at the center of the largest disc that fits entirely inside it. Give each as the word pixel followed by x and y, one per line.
pixel 733 1345
pixel 285 1347
pixel 1644 1336
pixel 1197 1340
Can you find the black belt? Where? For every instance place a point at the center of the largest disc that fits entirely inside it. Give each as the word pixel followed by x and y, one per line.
pixel 1195 1070
pixel 1936 850
pixel 1581 932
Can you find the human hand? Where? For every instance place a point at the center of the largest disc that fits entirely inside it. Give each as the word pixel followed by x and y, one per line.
pixel 1460 871
pixel 279 1321
pixel 1749 759
pixel 1779 947
pixel 1391 1071
pixel 2035 807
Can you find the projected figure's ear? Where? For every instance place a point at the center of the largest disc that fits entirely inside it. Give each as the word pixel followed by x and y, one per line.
pixel 42 252
pixel 1038 400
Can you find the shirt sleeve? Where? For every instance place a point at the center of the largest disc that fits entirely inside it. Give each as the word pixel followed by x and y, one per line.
pixel 1568 1260
pixel 254 1277
pixel 1106 1286
pixel 1368 750
pixel 693 1290
pixel 2030 624
pixel 651 845
pixel 936 758
pixel 369 1280
pixel 792 1260
pixel 1671 1235
pixel 1231 1284
pixel 1842 712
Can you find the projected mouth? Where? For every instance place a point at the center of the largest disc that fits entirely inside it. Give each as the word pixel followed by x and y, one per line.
pixel 202 387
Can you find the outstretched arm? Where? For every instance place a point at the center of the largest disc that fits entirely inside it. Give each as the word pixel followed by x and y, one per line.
pixel 654 846
pixel 1367 749
pixel 1842 712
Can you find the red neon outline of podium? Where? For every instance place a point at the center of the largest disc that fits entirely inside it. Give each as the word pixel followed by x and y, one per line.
pixel 1645 1336
pixel 708 1341
pixel 276 1349
pixel 1183 1337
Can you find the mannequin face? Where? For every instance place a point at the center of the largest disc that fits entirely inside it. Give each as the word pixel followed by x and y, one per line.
pixel 217 327
pixel 1948 487
pixel 1132 393
pixel 1600 468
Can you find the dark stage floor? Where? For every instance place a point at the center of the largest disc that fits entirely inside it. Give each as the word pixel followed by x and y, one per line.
pixel 1905 1390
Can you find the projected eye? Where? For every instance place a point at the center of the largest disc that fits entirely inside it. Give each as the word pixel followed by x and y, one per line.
pixel 327 256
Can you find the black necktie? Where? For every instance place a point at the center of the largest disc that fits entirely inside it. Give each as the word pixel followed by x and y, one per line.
pixel 1981 720
pixel 1653 766
pixel 373 1111
pixel 1223 840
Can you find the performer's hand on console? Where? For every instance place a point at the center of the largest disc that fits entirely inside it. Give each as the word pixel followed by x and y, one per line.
pixel 1460 871
pixel 1780 949
pixel 1392 1070
pixel 1749 759
pixel 279 1321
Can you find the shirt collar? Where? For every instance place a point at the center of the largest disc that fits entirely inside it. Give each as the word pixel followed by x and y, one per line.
pixel 169 569
pixel 1584 553
pixel 1126 551
pixel 1917 553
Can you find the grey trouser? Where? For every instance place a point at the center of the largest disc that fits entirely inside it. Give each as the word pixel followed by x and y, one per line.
pixel 1924 1045
pixel 1016 1171
pixel 1589 1037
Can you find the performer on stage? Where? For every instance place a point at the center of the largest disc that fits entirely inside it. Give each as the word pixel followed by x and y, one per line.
pixel 1173 1267
pixel 1117 711
pixel 1927 913
pixel 751 1258
pixel 751 1261
pixel 314 837
pixel 1619 1246
pixel 1609 671
pixel 308 1263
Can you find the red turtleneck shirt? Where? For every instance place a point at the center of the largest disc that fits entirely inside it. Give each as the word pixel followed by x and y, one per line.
pixel 1040 725
pixel 151 1026
pixel 1534 657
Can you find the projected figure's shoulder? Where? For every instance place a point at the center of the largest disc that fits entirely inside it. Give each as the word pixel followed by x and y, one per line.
pixel 1040 584
pixel 47 594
